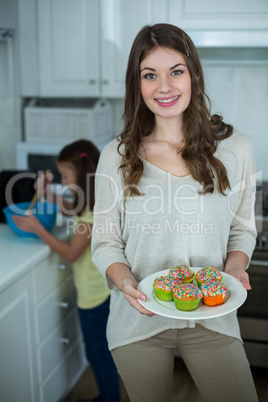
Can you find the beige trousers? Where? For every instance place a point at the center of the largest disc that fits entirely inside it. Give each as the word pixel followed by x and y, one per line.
pixel 216 362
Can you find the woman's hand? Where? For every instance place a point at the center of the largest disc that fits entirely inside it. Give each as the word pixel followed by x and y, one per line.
pixel 27 223
pixel 236 264
pixel 241 275
pixel 123 278
pixel 129 289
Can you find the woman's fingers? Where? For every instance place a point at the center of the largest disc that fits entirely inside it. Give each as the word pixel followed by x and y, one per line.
pixel 132 295
pixel 241 275
pixel 134 303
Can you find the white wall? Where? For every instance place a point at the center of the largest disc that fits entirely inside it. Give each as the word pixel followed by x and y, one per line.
pixel 240 94
pixel 8 14
pixel 10 129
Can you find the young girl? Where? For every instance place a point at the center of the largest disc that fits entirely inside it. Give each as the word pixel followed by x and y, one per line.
pixel 77 164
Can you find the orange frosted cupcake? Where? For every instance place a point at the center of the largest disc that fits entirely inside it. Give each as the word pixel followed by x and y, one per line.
pixel 182 272
pixel 208 273
pixel 214 292
pixel 164 286
pixel 187 297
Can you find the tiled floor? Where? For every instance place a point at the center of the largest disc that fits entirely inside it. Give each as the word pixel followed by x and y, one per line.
pixel 184 389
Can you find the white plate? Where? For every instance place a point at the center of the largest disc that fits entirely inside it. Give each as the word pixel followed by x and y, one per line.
pixel 236 296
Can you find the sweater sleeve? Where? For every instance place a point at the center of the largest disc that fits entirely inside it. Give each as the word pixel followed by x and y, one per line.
pixel 243 230
pixel 107 244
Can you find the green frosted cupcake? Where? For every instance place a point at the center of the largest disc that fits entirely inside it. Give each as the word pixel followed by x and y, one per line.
pixel 164 286
pixel 208 273
pixel 184 273
pixel 187 297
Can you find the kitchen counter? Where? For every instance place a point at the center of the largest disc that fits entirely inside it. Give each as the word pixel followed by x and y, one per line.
pixel 18 255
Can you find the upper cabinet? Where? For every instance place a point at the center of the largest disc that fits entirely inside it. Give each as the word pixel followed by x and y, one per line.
pixel 80 48
pixel 68 47
pixel 217 15
pixel 120 22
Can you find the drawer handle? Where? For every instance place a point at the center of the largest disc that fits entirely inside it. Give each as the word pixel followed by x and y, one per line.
pixel 64 304
pixel 61 266
pixel 260 263
pixel 65 340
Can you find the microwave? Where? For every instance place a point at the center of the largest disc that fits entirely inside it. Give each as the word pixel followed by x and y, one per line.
pixel 38 157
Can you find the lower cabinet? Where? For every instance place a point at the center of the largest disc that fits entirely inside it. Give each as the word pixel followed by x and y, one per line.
pixel 64 376
pixel 41 348
pixel 18 364
pixel 59 347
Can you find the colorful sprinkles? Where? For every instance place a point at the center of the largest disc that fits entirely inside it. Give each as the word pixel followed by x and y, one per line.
pixel 166 283
pixel 186 290
pixel 181 271
pixel 211 288
pixel 172 287
pixel 208 273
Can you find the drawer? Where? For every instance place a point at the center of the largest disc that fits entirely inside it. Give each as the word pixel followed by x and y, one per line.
pixel 55 308
pixel 64 376
pixel 58 345
pixel 48 274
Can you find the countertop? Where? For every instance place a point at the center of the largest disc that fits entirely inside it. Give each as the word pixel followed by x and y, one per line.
pixel 18 255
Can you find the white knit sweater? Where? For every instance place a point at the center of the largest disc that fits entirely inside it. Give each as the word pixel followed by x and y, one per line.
pixel 170 224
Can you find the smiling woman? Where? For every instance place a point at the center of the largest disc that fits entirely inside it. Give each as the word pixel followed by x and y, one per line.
pixel 165 83
pixel 175 167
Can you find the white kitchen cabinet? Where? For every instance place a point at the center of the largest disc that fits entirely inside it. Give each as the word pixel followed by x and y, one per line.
pixel 219 15
pixel 18 364
pixel 28 48
pixel 58 338
pixel 120 22
pixel 42 353
pixel 80 48
pixel 68 35
pixel 63 376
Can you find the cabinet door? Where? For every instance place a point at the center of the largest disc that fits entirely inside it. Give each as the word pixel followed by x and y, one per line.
pixel 211 14
pixel 48 274
pixel 18 371
pixel 58 345
pixel 68 47
pixel 54 309
pixel 65 376
pixel 120 22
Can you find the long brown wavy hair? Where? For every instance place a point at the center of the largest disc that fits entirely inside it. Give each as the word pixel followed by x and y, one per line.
pixel 83 157
pixel 202 131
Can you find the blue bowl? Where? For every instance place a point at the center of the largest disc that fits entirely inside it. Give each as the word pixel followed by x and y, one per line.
pixel 45 212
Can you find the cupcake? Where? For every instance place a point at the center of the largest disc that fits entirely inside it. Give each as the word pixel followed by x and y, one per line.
pixel 187 297
pixel 182 272
pixel 214 292
pixel 163 287
pixel 208 273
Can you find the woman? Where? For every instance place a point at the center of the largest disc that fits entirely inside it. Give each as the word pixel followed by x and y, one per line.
pixel 175 188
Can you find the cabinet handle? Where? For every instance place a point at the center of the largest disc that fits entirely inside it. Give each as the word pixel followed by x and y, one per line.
pixel 65 340
pixel 61 266
pixel 64 304
pixel 105 82
pixel 259 262
pixel 92 82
